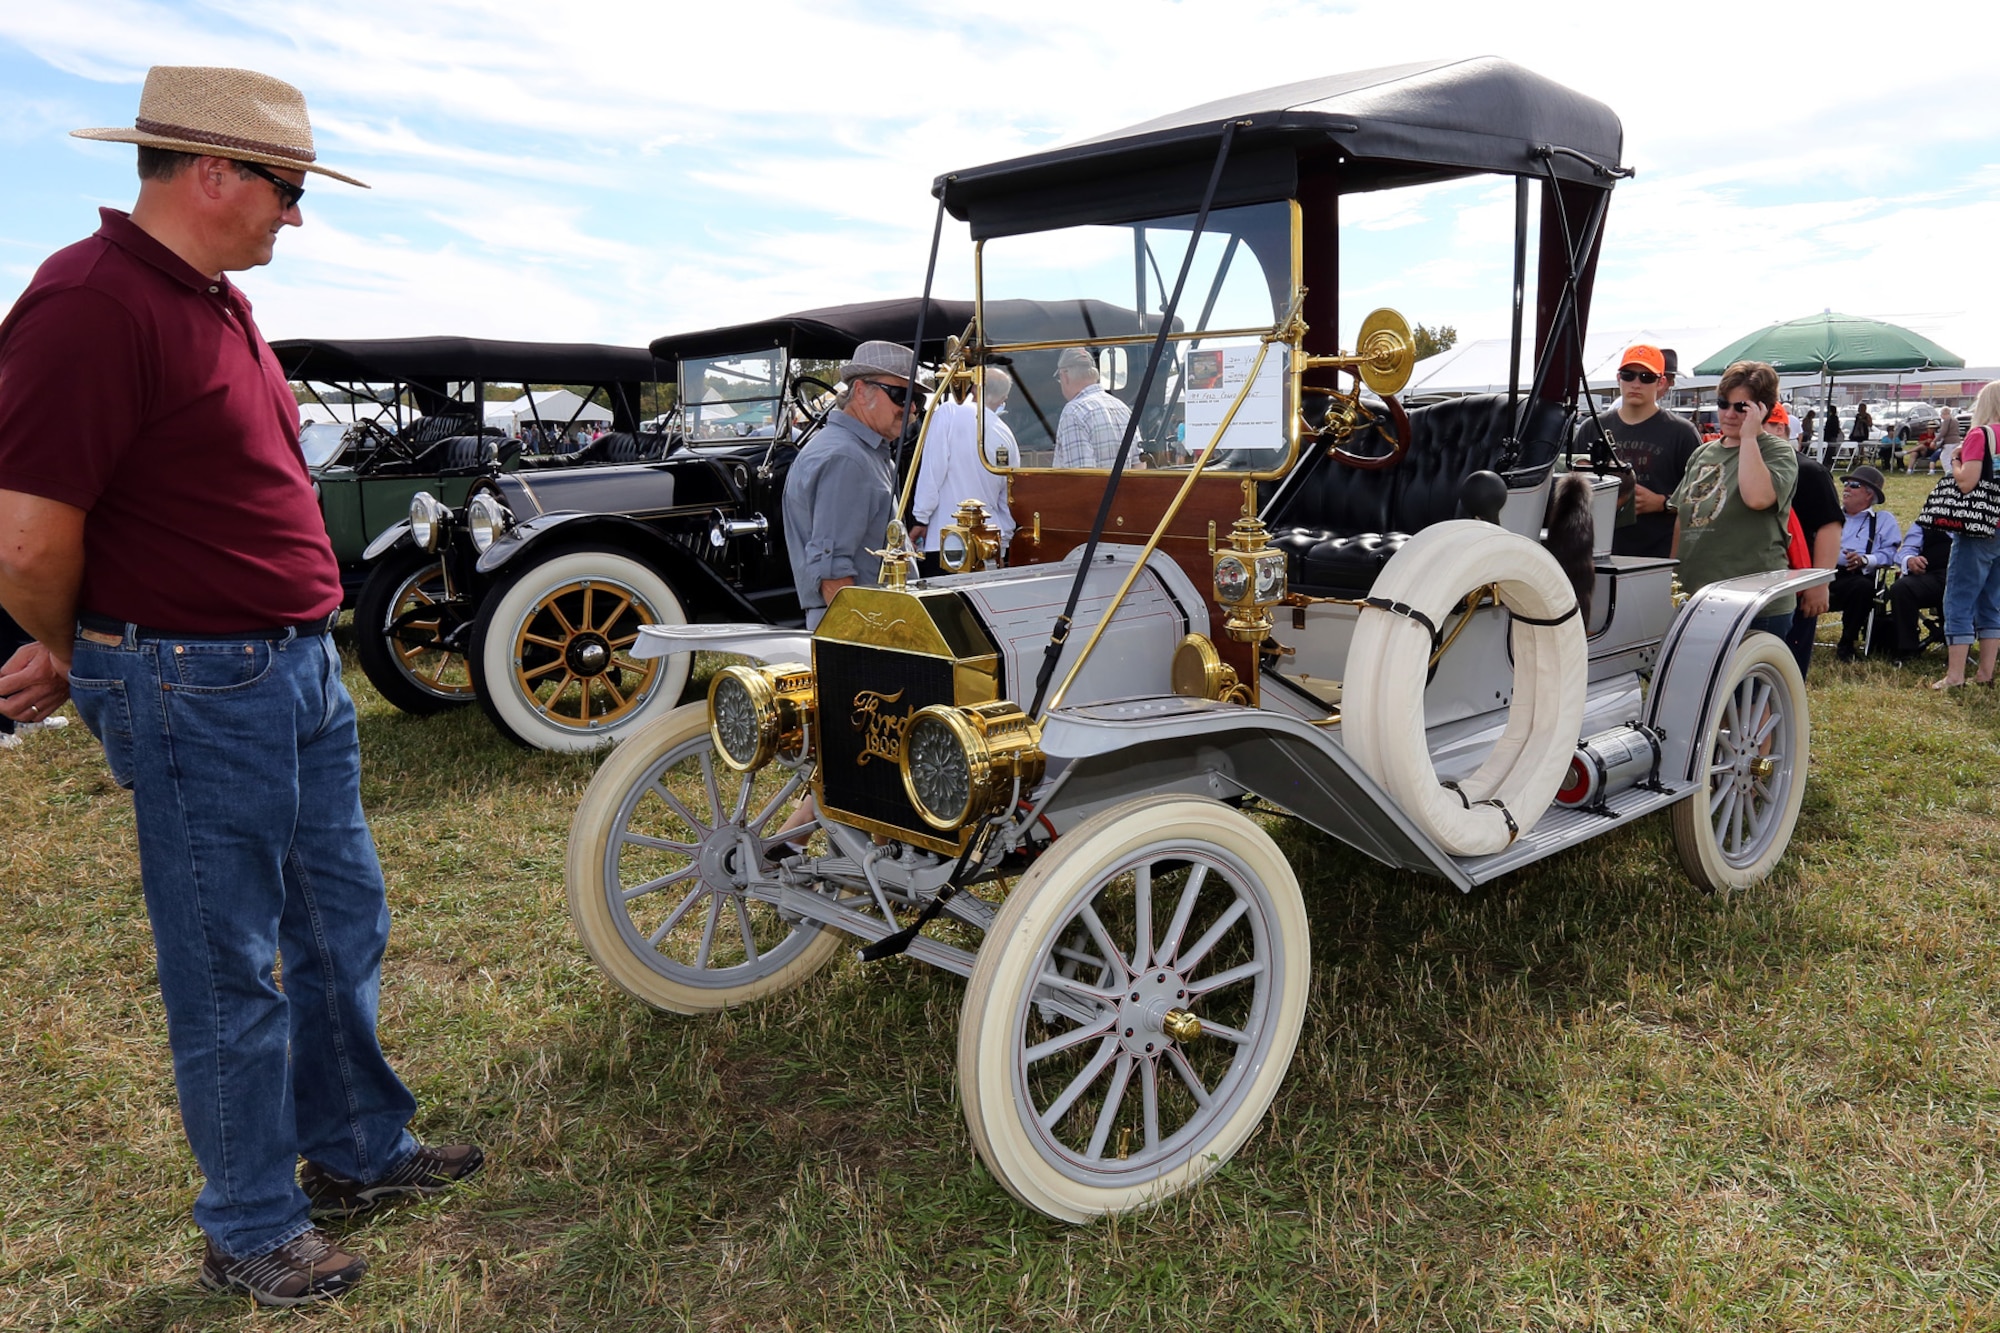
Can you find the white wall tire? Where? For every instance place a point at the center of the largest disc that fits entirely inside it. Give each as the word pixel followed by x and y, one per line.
pixel 1383 705
pixel 1025 1044
pixel 1732 829
pixel 551 652
pixel 656 892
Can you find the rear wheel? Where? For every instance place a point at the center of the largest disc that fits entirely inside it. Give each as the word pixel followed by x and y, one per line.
pixel 409 632
pixel 552 651
pixel 1731 830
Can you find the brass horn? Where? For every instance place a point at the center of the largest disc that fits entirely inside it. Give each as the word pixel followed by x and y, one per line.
pixel 1384 356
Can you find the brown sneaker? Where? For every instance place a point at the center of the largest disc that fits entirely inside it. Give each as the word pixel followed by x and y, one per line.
pixel 426 1171
pixel 305 1268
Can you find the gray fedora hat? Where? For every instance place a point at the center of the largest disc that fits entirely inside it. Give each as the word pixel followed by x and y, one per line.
pixel 220 112
pixel 882 358
pixel 1871 477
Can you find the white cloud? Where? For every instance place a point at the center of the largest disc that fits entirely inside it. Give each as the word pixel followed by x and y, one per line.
pixel 620 168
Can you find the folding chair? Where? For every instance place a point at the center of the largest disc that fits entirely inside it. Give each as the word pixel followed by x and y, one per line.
pixel 1930 619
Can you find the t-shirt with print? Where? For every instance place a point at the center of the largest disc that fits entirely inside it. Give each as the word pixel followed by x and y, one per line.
pixel 1657 450
pixel 1723 538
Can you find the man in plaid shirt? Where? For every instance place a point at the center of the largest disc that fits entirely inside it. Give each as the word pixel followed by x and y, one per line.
pixel 1093 423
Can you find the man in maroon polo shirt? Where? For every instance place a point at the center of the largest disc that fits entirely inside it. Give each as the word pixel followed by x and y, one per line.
pixel 160 539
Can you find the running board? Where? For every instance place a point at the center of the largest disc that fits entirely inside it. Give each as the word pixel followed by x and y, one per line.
pixel 1563 827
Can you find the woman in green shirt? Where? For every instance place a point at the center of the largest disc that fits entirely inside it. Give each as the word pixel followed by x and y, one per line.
pixel 1731 504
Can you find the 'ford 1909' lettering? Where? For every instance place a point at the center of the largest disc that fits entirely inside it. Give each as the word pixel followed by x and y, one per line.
pixel 882 732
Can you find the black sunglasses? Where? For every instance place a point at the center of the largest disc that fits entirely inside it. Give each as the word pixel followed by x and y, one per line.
pixel 1643 376
pixel 899 394
pixel 1724 405
pixel 288 193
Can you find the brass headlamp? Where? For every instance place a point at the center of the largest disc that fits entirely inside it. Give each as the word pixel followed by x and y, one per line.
pixel 960 764
pixel 758 713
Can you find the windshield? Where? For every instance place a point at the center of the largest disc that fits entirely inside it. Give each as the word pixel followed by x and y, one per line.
pixel 733 397
pixel 321 442
pixel 1061 312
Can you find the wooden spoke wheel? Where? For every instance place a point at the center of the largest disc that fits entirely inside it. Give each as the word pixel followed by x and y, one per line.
pixel 407 628
pixel 552 651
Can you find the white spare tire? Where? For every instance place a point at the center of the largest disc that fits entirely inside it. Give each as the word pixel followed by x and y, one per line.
pixel 1388 666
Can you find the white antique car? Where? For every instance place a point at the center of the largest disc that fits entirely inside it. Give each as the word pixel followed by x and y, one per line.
pixel 1309 602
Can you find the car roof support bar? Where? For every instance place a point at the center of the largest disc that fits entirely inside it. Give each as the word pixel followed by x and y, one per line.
pixel 1059 636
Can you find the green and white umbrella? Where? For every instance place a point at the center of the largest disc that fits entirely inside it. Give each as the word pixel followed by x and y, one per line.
pixel 1829 344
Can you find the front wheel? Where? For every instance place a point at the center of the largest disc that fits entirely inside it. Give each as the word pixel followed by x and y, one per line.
pixel 1134 1007
pixel 663 846
pixel 407 631
pixel 1731 830
pixel 552 651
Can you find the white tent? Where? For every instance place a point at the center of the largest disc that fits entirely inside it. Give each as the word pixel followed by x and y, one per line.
pixel 555 408
pixel 1480 366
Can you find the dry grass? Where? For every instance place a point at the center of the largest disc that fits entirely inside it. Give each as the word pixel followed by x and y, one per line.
pixel 1587 1097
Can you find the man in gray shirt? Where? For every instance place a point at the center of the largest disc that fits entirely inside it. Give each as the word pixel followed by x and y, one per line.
pixel 841 493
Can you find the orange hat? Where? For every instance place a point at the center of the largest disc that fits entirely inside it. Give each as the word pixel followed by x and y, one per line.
pixel 1644 354
pixel 1778 416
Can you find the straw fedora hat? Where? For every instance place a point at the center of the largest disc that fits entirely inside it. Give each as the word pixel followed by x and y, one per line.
pixel 233 113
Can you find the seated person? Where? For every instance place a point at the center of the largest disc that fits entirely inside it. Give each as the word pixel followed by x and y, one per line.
pixel 1921 560
pixel 1868 540
pixel 1925 449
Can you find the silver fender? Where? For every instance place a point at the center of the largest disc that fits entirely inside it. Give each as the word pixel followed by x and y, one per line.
pixel 511 542
pixel 1121 748
pixel 766 643
pixel 387 539
pixel 1687 683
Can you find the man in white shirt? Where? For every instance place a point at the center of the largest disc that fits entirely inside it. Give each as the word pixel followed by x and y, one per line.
pixel 951 472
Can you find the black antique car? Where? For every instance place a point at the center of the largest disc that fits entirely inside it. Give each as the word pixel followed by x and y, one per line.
pixel 535 585
pixel 391 417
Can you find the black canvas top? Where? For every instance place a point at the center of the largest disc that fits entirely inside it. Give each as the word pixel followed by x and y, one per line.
pixel 826 333
pixel 488 360
pixel 834 332
pixel 1397 125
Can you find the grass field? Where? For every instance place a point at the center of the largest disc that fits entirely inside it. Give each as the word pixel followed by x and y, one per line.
pixel 1587 1097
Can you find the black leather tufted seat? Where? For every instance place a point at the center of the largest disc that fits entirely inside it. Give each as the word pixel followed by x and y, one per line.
pixel 467 453
pixel 1341 524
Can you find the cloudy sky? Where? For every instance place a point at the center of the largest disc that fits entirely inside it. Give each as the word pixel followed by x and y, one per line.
pixel 612 171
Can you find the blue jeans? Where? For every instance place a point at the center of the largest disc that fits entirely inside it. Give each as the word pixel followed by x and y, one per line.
pixel 245 771
pixel 1777 626
pixel 1972 589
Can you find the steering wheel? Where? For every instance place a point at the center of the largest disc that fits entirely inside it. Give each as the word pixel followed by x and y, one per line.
pixel 804 402
pixel 380 445
pixel 1393 427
